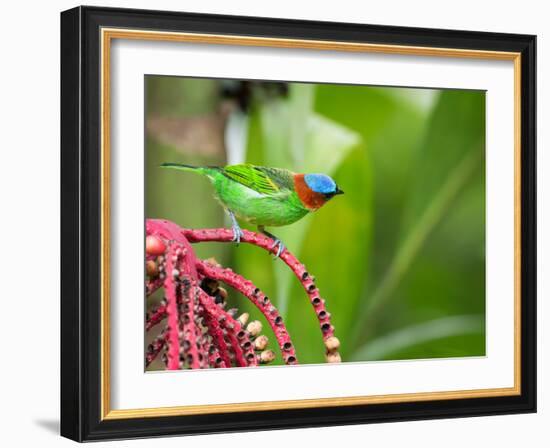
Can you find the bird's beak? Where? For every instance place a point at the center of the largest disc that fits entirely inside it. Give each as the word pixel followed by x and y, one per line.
pixel 338 191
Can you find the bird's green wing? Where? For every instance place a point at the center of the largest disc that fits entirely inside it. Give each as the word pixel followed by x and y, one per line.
pixel 264 180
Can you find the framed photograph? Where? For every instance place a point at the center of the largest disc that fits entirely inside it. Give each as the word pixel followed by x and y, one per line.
pixel 275 224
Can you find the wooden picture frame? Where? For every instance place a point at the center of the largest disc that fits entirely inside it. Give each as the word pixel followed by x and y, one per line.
pixel 86 36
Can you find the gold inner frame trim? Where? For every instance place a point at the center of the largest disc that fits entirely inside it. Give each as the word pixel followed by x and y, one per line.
pixel 107 35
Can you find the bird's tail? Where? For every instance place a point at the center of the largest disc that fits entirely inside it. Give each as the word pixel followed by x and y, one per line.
pixel 207 170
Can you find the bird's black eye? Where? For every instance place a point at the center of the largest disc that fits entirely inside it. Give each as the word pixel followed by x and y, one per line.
pixel 331 194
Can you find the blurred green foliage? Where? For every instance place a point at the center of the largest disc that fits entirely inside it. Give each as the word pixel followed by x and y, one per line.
pixel 399 258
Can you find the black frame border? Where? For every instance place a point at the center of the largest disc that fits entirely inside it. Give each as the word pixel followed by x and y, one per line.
pixel 81 223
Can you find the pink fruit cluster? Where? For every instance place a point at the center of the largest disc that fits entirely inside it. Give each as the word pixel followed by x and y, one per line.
pixel 198 331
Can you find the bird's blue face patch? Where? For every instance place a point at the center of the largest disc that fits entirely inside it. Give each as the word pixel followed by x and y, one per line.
pixel 320 183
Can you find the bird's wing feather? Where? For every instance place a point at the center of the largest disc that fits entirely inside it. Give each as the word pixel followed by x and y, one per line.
pixel 284 179
pixel 268 181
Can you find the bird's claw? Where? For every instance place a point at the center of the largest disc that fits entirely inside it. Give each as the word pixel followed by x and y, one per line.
pixel 276 242
pixel 237 234
pixel 237 231
pixel 281 248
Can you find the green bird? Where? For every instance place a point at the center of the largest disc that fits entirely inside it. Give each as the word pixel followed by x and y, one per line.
pixel 264 196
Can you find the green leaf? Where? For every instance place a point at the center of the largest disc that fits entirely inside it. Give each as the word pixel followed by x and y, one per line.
pixel 409 230
pixel 442 200
pixel 336 250
pixel 448 166
pixel 392 122
pixel 292 136
pixel 425 333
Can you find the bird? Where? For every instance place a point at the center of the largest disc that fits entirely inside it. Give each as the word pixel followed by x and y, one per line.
pixel 265 196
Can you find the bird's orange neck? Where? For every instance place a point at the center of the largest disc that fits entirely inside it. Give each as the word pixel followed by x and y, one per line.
pixel 310 199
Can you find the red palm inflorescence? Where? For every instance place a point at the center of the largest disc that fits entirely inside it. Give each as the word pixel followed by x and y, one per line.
pixel 198 332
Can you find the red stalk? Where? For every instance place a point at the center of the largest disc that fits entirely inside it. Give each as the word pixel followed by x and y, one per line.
pixel 155 317
pixel 170 291
pixel 238 337
pixel 260 240
pixel 259 299
pixel 199 333
pixel 154 348
pixel 217 338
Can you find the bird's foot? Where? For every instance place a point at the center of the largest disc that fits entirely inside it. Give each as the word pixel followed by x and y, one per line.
pixel 237 231
pixel 276 242
pixel 237 234
pixel 281 248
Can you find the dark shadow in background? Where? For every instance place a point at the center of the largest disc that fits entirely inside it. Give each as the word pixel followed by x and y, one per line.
pixel 49 425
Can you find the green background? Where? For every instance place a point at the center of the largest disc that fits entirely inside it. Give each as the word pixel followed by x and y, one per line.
pixel 399 258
